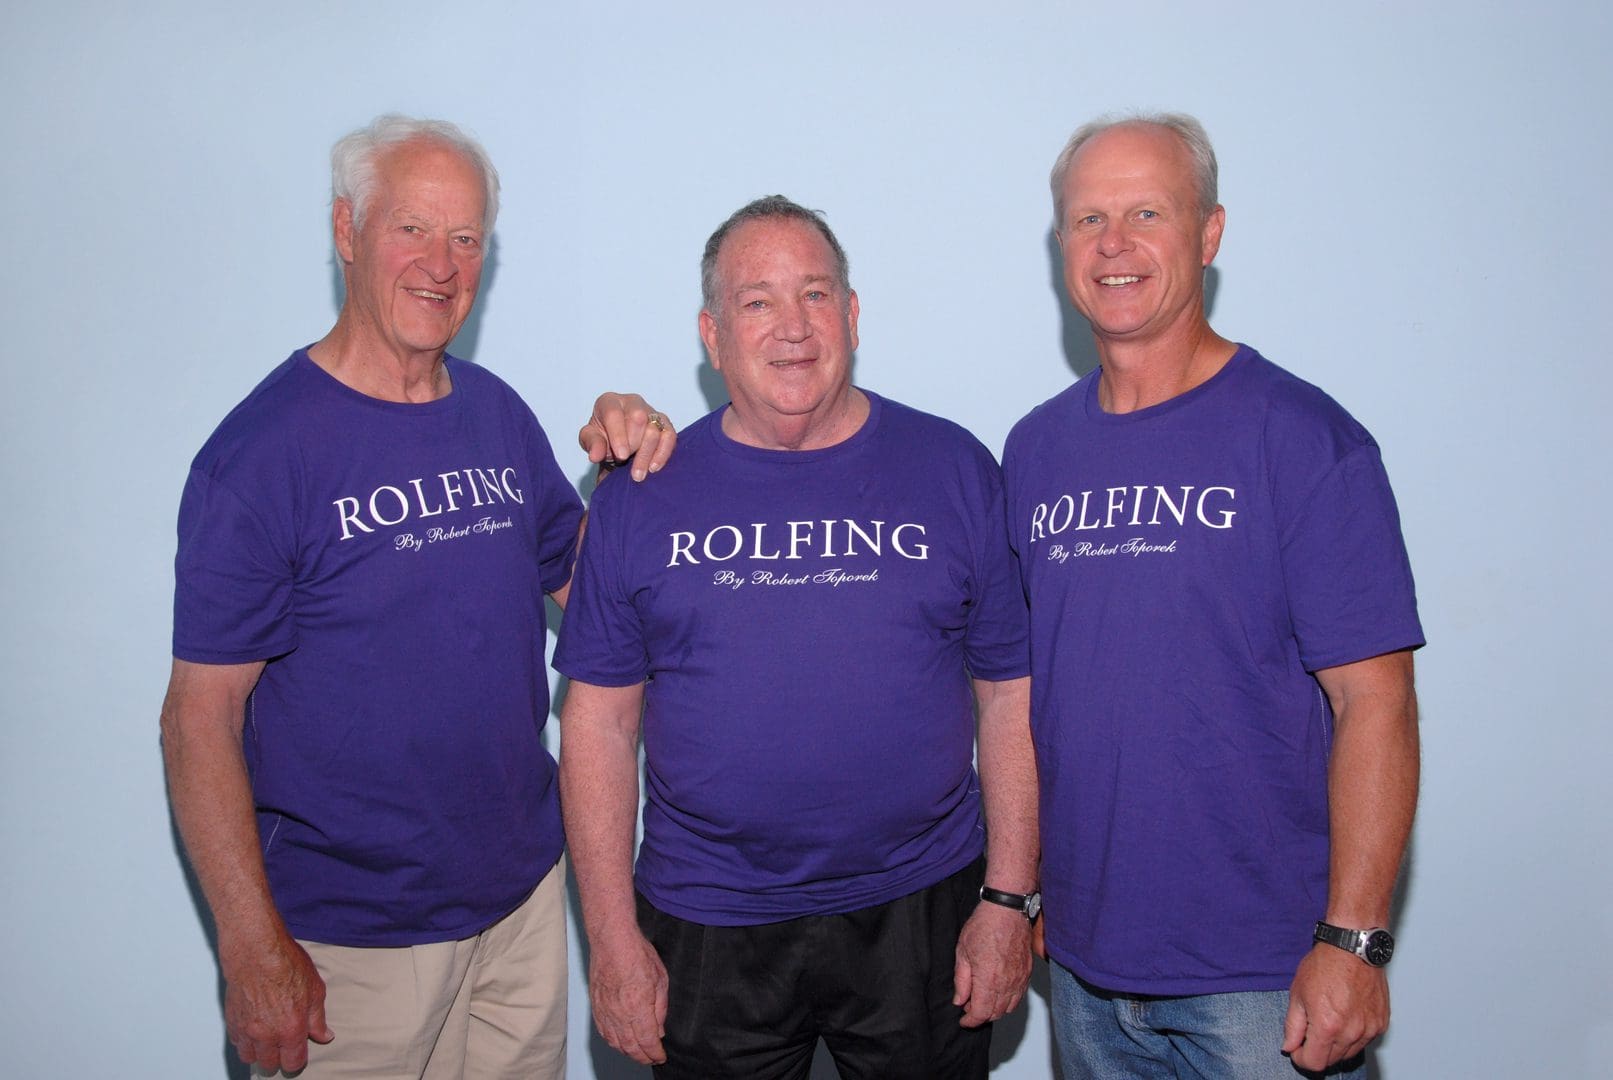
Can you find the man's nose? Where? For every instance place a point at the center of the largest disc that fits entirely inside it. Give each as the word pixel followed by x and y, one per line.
pixel 1114 239
pixel 793 324
pixel 438 259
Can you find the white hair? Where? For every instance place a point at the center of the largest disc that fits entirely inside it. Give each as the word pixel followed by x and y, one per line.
pixel 353 160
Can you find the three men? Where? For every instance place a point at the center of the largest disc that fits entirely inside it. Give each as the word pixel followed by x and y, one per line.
pixel 800 609
pixel 1222 622
pixel 352 729
pixel 1222 615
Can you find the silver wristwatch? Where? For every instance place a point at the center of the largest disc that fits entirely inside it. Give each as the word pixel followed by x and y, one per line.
pixel 1375 945
pixel 1029 903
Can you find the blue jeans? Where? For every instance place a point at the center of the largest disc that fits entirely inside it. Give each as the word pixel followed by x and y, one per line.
pixel 1235 1036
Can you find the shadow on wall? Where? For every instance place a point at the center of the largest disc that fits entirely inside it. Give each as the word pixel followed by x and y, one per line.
pixel 712 387
pixel 1080 352
pixel 234 1068
pixel 1009 1033
pixel 1403 889
pixel 606 1063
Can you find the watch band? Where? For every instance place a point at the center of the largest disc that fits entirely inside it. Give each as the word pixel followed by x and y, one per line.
pixel 1029 904
pixel 1374 945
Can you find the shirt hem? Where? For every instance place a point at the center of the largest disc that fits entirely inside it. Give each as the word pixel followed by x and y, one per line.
pixel 391 939
pixel 1179 986
pixel 1339 658
pixel 217 656
pixel 907 887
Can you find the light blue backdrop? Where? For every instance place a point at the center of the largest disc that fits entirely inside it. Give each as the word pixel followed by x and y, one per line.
pixel 1417 220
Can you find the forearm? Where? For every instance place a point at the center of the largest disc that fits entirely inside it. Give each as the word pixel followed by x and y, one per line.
pixel 599 798
pixel 211 797
pixel 1008 785
pixel 1372 790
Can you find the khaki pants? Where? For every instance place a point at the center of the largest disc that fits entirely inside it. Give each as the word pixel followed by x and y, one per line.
pixel 488 1007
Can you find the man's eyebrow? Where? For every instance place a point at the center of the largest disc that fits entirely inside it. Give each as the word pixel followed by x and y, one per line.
pixel 764 284
pixel 410 213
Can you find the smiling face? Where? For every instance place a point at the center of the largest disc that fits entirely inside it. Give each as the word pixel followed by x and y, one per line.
pixel 412 270
pixel 781 330
pixel 1134 238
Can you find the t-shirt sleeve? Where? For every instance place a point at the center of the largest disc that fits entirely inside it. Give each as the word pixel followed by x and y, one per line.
pixel 601 635
pixel 1349 583
pixel 558 520
pixel 233 580
pixel 997 644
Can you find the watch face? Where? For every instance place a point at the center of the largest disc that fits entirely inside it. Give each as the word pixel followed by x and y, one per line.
pixel 1379 948
pixel 1033 906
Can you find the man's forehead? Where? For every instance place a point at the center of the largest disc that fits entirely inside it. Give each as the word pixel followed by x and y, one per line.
pixel 1135 155
pixel 771 240
pixel 775 232
pixel 426 159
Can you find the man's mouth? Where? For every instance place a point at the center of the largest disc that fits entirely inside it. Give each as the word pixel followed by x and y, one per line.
pixel 427 294
pixel 1119 279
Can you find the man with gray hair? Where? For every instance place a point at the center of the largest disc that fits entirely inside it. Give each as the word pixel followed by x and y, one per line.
pixel 352 726
pixel 804 613
pixel 1222 622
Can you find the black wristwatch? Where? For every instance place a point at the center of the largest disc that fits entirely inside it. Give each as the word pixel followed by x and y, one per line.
pixel 1375 945
pixel 1029 903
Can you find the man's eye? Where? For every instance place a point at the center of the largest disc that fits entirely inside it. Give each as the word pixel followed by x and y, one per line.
pixel 816 294
pixel 1146 214
pixel 465 241
pixel 755 305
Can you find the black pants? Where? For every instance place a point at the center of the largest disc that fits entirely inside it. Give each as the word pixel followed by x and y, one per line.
pixel 875 985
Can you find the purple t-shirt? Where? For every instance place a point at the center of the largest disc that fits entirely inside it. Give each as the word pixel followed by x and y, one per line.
pixel 389 561
pixel 808 623
pixel 1188 567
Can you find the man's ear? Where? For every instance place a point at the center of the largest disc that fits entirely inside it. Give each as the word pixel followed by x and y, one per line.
pixel 341 227
pixel 708 335
pixel 1212 234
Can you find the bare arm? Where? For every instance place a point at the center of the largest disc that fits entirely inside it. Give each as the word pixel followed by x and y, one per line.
pixel 1338 1004
pixel 627 983
pixel 273 999
pixel 994 951
pixel 624 426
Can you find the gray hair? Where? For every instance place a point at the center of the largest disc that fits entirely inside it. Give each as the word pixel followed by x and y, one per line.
pixel 1187 129
pixel 354 157
pixel 769 207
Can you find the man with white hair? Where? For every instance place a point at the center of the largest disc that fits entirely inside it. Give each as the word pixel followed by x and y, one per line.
pixel 1222 621
pixel 352 727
